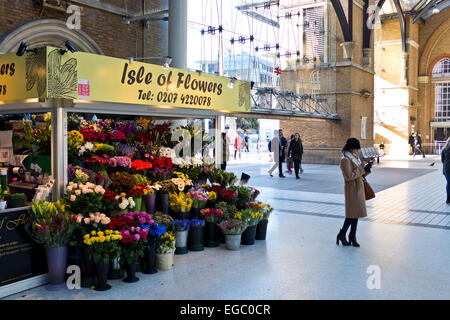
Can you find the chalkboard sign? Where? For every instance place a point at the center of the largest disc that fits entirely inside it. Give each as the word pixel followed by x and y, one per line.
pixel 20 256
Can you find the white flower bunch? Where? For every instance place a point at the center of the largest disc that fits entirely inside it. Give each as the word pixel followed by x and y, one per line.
pixel 125 203
pixel 88 146
pixel 182 162
pixel 167 152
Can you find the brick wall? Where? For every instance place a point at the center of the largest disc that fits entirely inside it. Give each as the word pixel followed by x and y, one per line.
pixel 108 30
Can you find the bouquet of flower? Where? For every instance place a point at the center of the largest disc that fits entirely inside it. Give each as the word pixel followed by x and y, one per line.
pixel 83 198
pixel 102 179
pixel 93 135
pixel 139 165
pixel 234 226
pixel 39 136
pixel 133 241
pixel 161 218
pixel 199 198
pixel 223 178
pixel 74 142
pixel 196 223
pixel 103 148
pixel 229 209
pixel 124 202
pixel 182 181
pixel 80 177
pixel 139 217
pixel 97 163
pixel 167 186
pixel 244 195
pixel 121 222
pixel 85 149
pixel 180 202
pixel 120 161
pixel 166 243
pixel 255 205
pixel 155 231
pixel 52 226
pixel 3 195
pixel 140 179
pixel 103 245
pixel 94 221
pixel 138 190
pixel 179 225
pixel 151 189
pixel 255 193
pixel 250 216
pixel 117 135
pixel 160 174
pixel 267 210
pixel 212 215
pixel 121 182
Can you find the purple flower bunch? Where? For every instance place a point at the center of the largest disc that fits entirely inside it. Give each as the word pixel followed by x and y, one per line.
pixel 133 234
pixel 126 127
pixel 124 149
pixel 71 172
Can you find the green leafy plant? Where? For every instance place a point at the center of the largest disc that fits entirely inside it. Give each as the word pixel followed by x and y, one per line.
pixel 221 177
pixel 228 209
pixel 15 196
pixel 244 195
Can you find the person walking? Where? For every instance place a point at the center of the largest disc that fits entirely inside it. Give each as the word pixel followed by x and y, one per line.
pixel 353 170
pixel 445 158
pixel 246 143
pixel 225 153
pixel 277 145
pixel 289 161
pixel 237 146
pixel 296 152
pixel 418 145
pixel 411 142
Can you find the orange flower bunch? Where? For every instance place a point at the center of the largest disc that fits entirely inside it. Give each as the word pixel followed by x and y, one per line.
pixel 138 165
pixel 138 189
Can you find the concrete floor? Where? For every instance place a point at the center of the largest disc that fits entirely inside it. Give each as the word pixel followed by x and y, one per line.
pixel 300 260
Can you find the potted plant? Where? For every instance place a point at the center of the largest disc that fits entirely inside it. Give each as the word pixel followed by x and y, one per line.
pixel 103 247
pixel 15 200
pixel 153 237
pixel 137 192
pixel 53 228
pixel 3 195
pixel 149 197
pixel 118 223
pixel 165 251
pixel 195 235
pixel 212 233
pixel 261 227
pixel 133 244
pixel 251 217
pixel 199 198
pixel 94 221
pixel 233 229
pixel 180 228
pixel 181 204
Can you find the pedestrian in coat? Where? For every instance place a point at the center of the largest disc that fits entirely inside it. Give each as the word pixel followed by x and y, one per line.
pixel 296 152
pixel 289 161
pixel 411 142
pixel 278 147
pixel 353 170
pixel 445 158
pixel 418 145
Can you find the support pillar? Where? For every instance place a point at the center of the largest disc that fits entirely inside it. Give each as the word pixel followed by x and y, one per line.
pixel 59 151
pixel 404 68
pixel 367 58
pixel 219 128
pixel 178 33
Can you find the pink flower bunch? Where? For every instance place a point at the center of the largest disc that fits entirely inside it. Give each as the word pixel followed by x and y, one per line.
pixel 212 214
pixel 199 194
pixel 120 162
pixel 133 234
pixel 140 217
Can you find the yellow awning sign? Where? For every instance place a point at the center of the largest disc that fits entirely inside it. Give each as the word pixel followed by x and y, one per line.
pixel 81 75
pixel 23 77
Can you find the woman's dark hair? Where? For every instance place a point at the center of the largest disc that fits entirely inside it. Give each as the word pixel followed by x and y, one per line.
pixel 351 144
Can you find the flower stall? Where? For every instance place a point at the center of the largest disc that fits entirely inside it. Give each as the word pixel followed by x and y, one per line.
pixel 131 185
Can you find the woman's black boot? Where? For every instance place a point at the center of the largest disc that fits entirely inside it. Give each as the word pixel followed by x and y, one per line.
pixel 352 239
pixel 341 237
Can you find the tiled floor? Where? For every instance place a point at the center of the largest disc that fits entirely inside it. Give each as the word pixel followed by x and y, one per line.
pixel 405 237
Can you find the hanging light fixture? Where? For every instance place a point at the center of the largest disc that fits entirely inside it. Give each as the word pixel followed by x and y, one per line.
pixel 167 61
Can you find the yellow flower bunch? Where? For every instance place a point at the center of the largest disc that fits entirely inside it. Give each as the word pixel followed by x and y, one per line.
pixel 180 202
pixel 248 215
pixel 238 215
pixel 75 136
pixel 167 244
pixel 100 237
pixel 212 195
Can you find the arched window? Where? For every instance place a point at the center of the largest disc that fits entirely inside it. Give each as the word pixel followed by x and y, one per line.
pixel 315 82
pixel 440 75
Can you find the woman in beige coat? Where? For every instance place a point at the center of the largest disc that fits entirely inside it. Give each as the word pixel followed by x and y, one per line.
pixel 354 170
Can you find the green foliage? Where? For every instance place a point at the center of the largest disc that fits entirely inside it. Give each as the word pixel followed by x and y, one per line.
pixel 221 177
pixel 244 195
pixel 14 196
pixel 229 210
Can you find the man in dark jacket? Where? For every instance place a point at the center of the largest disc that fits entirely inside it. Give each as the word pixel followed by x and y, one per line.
pixel 445 158
pixel 296 152
pixel 411 142
pixel 278 147
pixel 418 145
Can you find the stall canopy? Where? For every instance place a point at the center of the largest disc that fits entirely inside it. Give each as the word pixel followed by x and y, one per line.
pixel 57 73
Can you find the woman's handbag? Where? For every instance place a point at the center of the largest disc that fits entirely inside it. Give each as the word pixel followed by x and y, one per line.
pixel 368 191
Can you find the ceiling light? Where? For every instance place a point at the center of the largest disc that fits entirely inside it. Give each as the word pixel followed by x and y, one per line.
pixel 70 46
pixel 435 11
pixel 22 49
